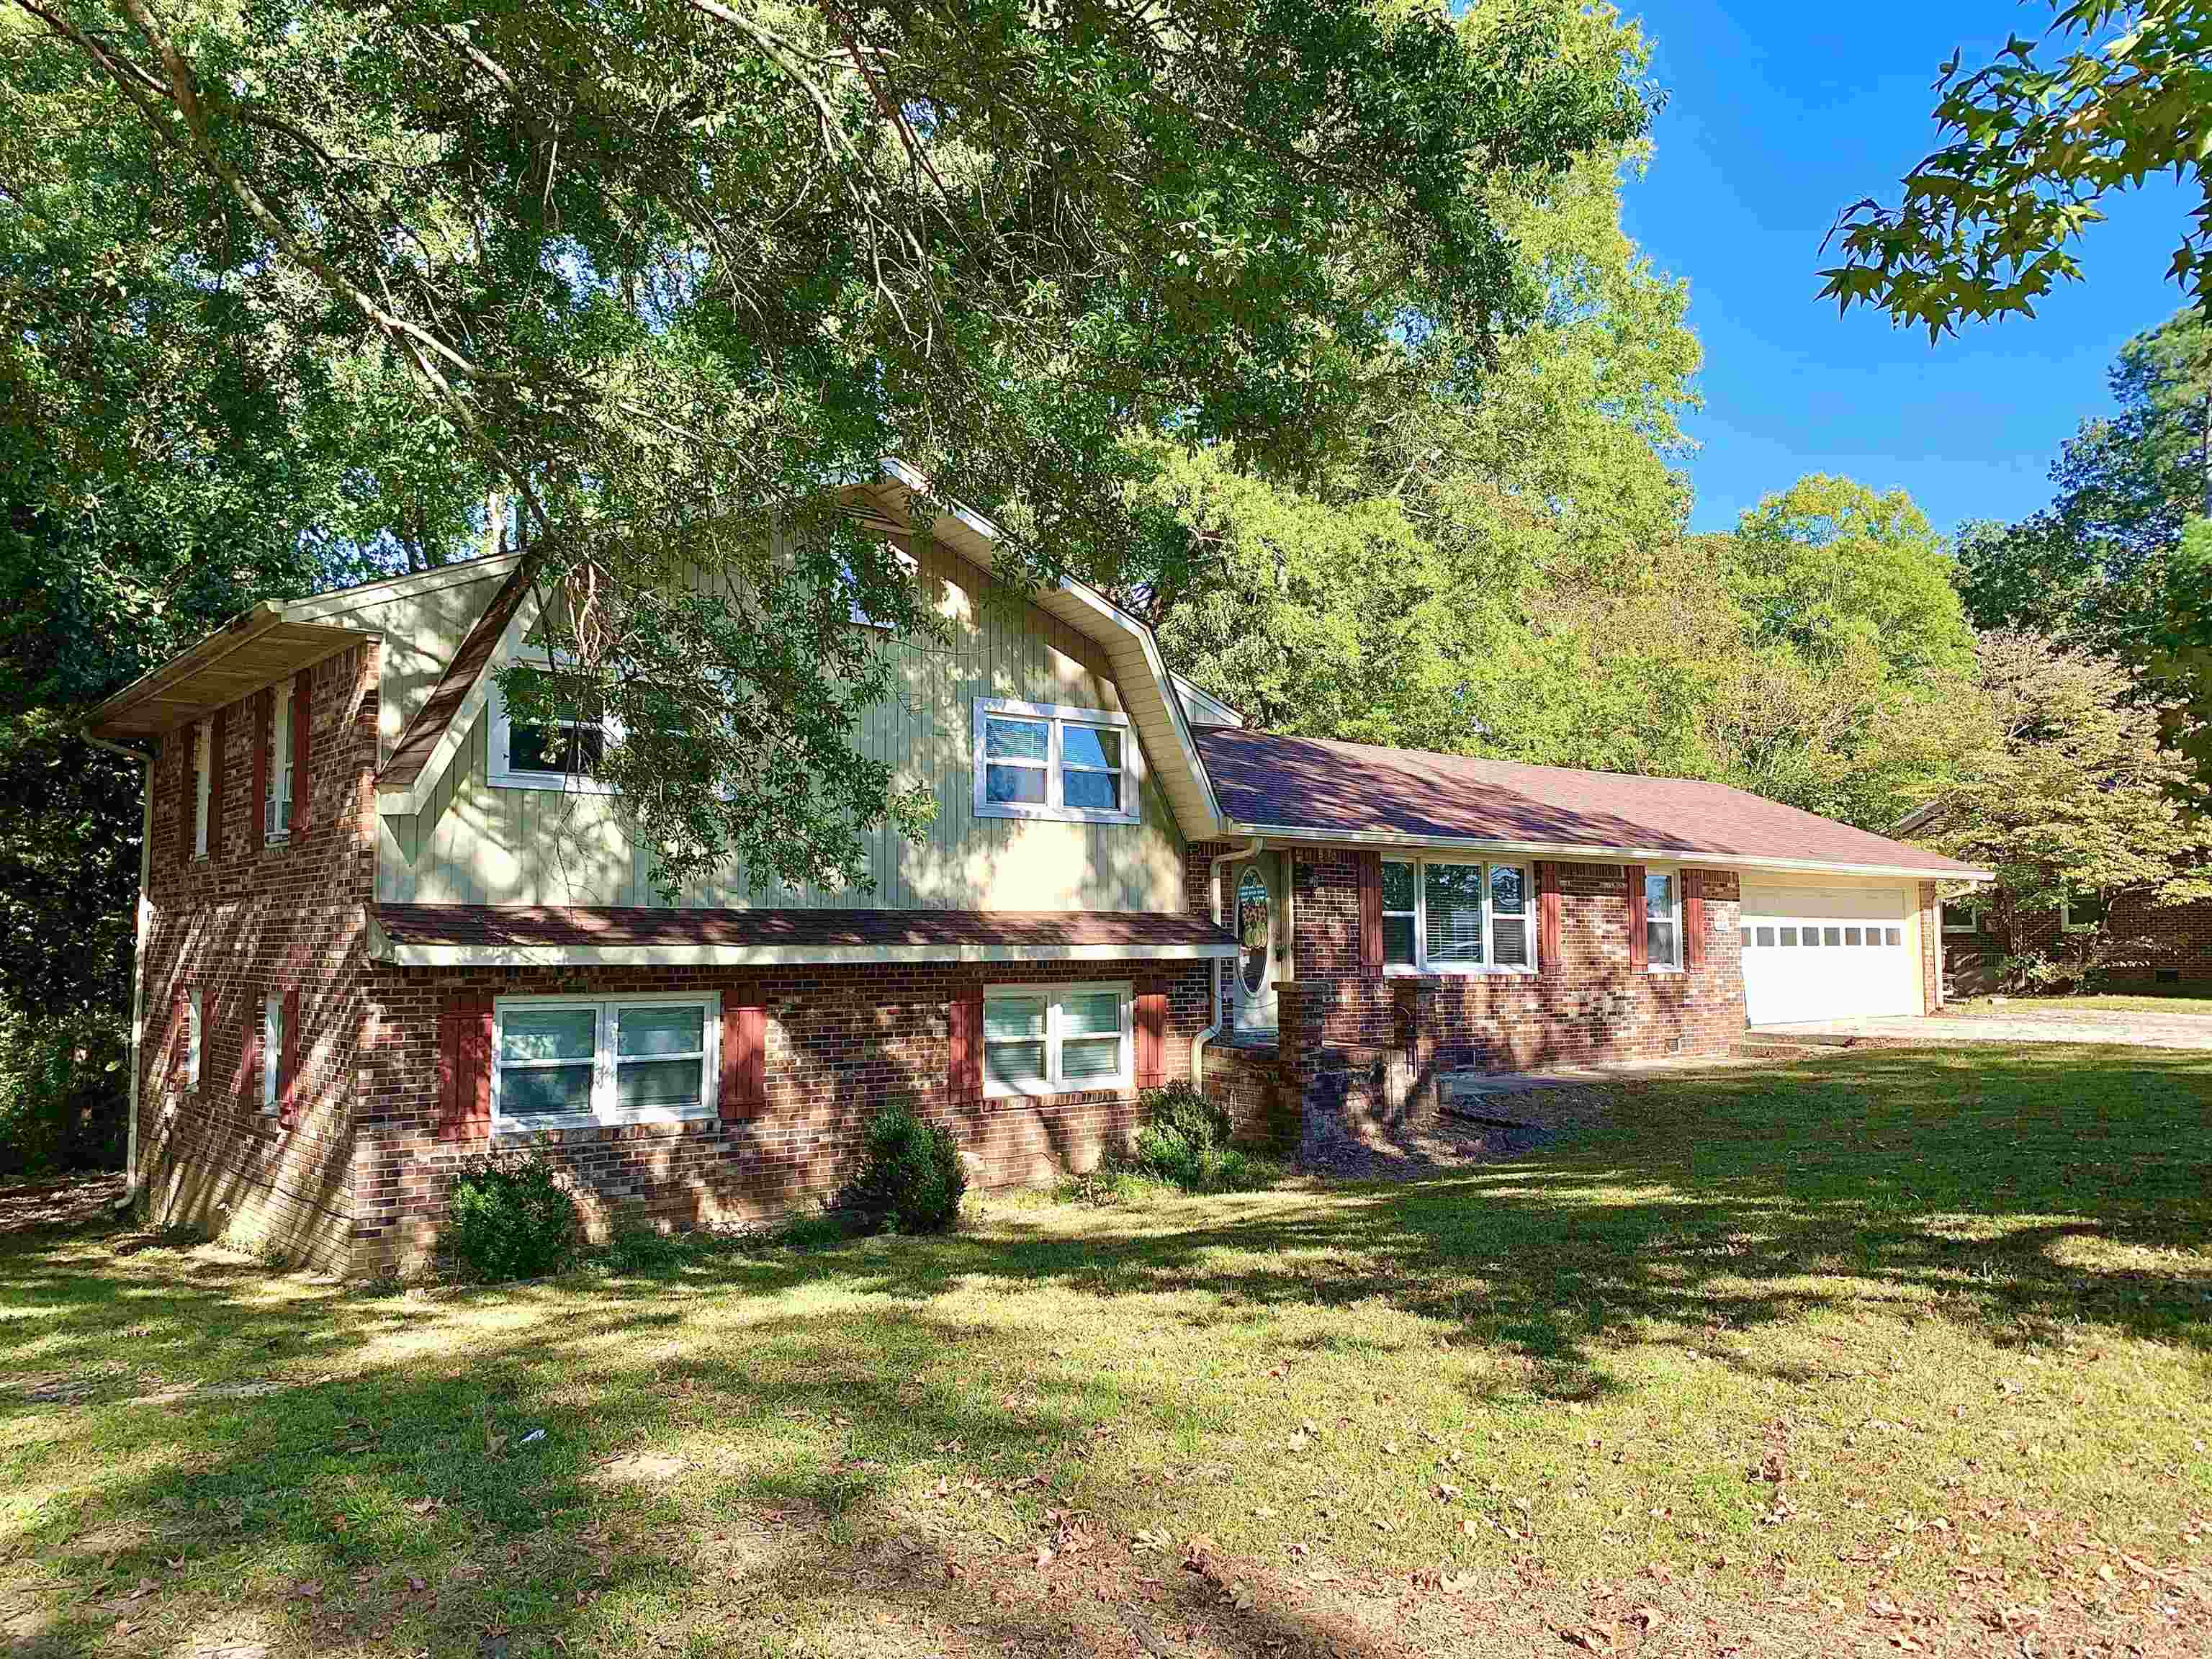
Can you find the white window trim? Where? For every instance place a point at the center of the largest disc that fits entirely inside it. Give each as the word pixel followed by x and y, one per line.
pixel 1421 965
pixel 605 1112
pixel 1675 915
pixel 202 746
pixel 501 774
pixel 2068 925
pixel 1052 1083
pixel 194 1035
pixel 277 820
pixel 1053 807
pixel 272 1052
pixel 1972 914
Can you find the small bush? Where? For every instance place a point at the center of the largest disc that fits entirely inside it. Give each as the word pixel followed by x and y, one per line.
pixel 911 1177
pixel 64 1082
pixel 1183 1142
pixel 509 1217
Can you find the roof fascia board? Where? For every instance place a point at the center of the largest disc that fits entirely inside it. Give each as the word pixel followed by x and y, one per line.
pixel 341 600
pixel 1593 853
pixel 413 797
pixel 1108 614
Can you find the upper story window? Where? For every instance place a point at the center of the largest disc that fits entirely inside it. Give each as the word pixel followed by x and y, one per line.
pixel 277 810
pixel 1050 761
pixel 1447 916
pixel 555 753
pixel 204 769
pixel 193 1039
pixel 1662 918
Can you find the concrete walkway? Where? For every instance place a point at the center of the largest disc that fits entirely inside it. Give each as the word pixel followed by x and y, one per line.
pixel 2141 1031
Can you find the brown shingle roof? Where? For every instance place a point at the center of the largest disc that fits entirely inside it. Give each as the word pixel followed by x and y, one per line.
pixel 564 927
pixel 420 740
pixel 1267 779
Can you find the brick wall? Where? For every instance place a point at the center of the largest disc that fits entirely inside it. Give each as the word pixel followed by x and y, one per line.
pixel 244 922
pixel 841 1042
pixel 1589 1006
pixel 2176 942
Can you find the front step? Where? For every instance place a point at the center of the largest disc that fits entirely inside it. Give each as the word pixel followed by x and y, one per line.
pixel 1755 1047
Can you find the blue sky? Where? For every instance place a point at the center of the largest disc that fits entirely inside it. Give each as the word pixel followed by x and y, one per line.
pixel 1779 114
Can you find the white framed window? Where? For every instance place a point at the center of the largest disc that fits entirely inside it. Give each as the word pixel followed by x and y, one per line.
pixel 1962 918
pixel 277 811
pixel 1057 1039
pixel 2078 913
pixel 1662 920
pixel 272 1051
pixel 192 1030
pixel 203 764
pixel 555 755
pixel 1051 761
pixel 1457 916
pixel 573 1062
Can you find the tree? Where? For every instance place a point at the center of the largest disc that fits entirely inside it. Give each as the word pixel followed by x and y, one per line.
pixel 1988 222
pixel 1829 566
pixel 663 272
pixel 2102 566
pixel 2078 795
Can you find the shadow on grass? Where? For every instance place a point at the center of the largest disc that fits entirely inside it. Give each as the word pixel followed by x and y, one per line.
pixel 2014 1191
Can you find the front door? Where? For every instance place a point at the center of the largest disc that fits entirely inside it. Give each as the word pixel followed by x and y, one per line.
pixel 1255 946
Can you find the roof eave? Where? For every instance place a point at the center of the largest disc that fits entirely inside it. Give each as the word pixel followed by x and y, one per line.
pixel 1595 853
pixel 215 671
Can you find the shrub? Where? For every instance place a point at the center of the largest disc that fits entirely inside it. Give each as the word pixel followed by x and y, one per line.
pixel 911 1177
pixel 509 1217
pixel 1184 1141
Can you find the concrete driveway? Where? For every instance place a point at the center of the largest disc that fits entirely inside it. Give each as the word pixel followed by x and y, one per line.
pixel 2143 1030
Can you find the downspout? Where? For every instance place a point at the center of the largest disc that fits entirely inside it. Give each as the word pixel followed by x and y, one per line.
pixel 1213 888
pixel 137 954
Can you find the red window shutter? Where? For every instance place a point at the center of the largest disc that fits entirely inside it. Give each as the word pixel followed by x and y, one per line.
pixel 257 719
pixel 1694 919
pixel 964 1052
pixel 218 729
pixel 1371 914
pixel 302 728
pixel 476 1021
pixel 744 1061
pixel 1639 947
pixel 1550 933
pixel 1152 1038
pixel 287 1063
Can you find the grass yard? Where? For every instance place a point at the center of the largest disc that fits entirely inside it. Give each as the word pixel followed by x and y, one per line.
pixel 1884 1351
pixel 2195 1000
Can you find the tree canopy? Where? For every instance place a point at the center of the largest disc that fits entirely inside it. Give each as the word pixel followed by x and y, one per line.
pixel 2116 91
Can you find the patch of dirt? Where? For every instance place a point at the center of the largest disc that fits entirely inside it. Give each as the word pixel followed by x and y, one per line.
pixel 63 1205
pixel 1442 1142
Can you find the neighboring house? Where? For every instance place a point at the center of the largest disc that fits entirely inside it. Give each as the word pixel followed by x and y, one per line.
pixel 2143 942
pixel 381 932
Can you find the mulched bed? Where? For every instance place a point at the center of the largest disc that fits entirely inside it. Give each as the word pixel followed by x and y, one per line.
pixel 1442 1143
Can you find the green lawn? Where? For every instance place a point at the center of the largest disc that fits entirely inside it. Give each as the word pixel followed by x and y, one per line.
pixel 1885 1351
pixel 2193 1000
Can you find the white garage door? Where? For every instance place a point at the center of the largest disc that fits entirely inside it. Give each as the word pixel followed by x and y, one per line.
pixel 1827 953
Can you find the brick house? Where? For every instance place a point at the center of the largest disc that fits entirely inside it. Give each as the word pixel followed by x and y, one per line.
pixel 383 928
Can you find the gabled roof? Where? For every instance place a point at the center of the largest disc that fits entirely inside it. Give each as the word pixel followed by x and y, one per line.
pixel 1317 790
pixel 435 727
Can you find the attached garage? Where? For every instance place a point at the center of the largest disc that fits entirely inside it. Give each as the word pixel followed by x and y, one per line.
pixel 1828 952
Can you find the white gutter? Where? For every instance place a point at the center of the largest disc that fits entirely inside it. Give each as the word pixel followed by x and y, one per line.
pixel 1598 854
pixel 1213 893
pixel 138 954
pixel 382 947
